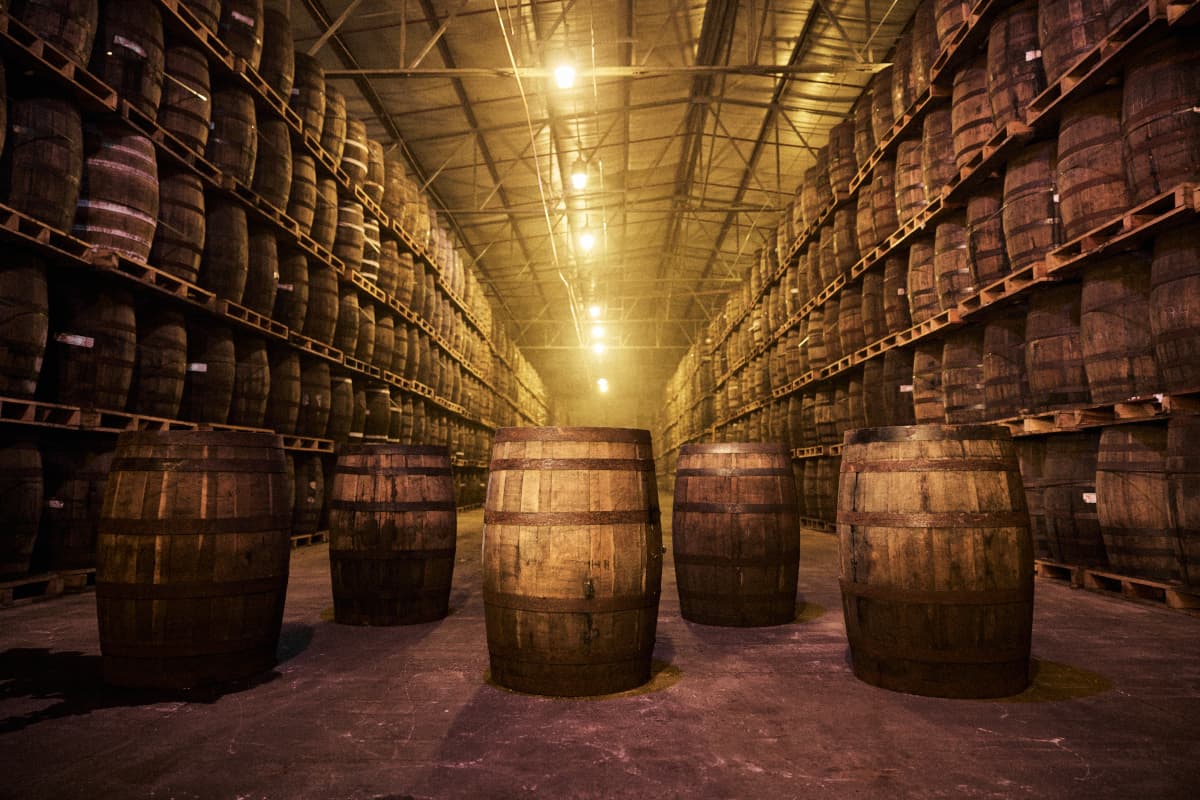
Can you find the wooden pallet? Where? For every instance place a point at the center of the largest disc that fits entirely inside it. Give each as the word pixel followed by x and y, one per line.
pixel 1137 409
pixel 819 525
pixel 1169 594
pixel 179 18
pixel 1183 13
pixel 106 259
pixel 34 412
pixel 320 349
pixel 965 41
pixel 263 324
pixel 113 421
pixel 24 45
pixel 31 589
pixel 305 539
pixel 987 162
pixel 307 444
pixel 1007 288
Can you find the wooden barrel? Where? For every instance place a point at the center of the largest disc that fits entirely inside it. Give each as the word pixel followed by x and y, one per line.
pixel 953 274
pixel 736 534
pixel 883 197
pixel 341 409
pixel 1054 350
pixel 45 157
pixel 898 386
pixel 206 12
pixel 161 367
pixel 1118 347
pixel 376 172
pixel 354 153
pixel 895 293
pixel 1031 456
pixel 985 234
pixel 389 266
pixel 69 25
pixel 95 335
pixel 418 352
pixel 948 612
pixel 874 391
pixel 224 265
pixel 924 47
pixel 1175 308
pixel 1183 487
pixel 251 383
pixel 923 303
pixel 902 84
pixel 937 152
pixel 817 349
pixel 291 297
pixel 308 478
pixel 315 385
pixel 871 310
pixel 1068 484
pixel 179 232
pixel 74 497
pixel 396 188
pixel 333 130
pixel 128 55
pixel 881 104
pixel 24 323
pixel 192 557
pixel 559 621
pixel 277 65
pixel 378 415
pixel 302 194
pixel 400 348
pixel 345 335
pixel 849 319
pixel 308 93
pixel 273 163
pixel 391 534
pixel 929 403
pixel 963 377
pixel 385 338
pixel 371 249
pixel 1005 387
pixel 910 180
pixel 949 16
pixel 971 123
pixel 211 370
pixel 1090 174
pixel 241 29
pixel 283 395
pixel 321 315
pixel 118 198
pixel 1133 502
pixel 845 243
pixel 262 270
pixel 864 134
pixel 22 488
pixel 1015 74
pixel 827 268
pixel 186 107
pixel 1161 130
pixel 324 226
pixel 1067 29
pixel 827 487
pixel 841 157
pixel 824 420
pixel 233 142
pixel 1032 226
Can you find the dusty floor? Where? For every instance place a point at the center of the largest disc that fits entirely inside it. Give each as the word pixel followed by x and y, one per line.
pixel 731 713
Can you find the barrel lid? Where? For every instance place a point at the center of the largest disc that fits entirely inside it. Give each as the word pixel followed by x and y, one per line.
pixel 391 448
pixel 701 448
pixel 926 433
pixel 200 438
pixel 573 434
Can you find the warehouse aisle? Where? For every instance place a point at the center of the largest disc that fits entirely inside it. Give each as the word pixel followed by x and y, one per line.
pixel 762 713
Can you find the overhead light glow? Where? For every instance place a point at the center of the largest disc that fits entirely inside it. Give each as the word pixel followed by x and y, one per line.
pixel 564 76
pixel 594 311
pixel 579 174
pixel 597 331
pixel 587 240
pixel 598 348
pixel 602 384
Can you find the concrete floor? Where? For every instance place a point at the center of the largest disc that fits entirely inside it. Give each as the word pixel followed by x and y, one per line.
pixel 731 713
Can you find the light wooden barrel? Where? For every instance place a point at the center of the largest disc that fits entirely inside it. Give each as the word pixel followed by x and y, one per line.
pixel 936 560
pixel 1133 503
pixel 572 559
pixel 192 557
pixel 391 534
pixel 736 534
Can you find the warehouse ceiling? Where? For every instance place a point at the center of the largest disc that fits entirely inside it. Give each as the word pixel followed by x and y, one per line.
pixel 695 122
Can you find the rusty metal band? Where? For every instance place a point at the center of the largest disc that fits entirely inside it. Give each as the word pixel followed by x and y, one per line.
pixel 780 560
pixel 725 448
pixel 174 526
pixel 194 464
pixel 589 464
pixel 949 597
pixel 737 508
pixel 570 605
pixel 389 506
pixel 933 465
pixel 735 472
pixel 942 519
pixel 383 554
pixel 186 590
pixel 394 450
pixel 541 519
pixel 187 649
pixel 375 469
pixel 927 433
pixel 161 439
pixel 909 651
pixel 573 434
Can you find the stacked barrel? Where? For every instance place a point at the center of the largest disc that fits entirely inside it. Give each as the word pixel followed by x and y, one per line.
pixel 866 304
pixel 341 309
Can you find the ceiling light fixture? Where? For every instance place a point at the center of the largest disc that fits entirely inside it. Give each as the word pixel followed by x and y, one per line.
pixel 597 331
pixel 587 240
pixel 598 348
pixel 594 311
pixel 579 174
pixel 564 76
pixel 602 384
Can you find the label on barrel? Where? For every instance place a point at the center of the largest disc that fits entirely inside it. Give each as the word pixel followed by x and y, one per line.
pixel 55 503
pixel 906 387
pixel 1089 498
pixel 286 287
pixel 75 340
pixel 1033 55
pixel 900 292
pixel 129 44
pixel 242 18
pixel 197 367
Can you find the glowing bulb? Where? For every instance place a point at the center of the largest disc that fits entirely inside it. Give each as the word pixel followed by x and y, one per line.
pixel 579 175
pixel 564 76
pixel 594 311
pixel 602 384
pixel 597 331
pixel 587 240
pixel 598 348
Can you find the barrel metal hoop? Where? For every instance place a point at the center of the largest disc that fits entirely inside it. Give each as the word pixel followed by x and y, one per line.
pixel 545 519
pixel 342 469
pixel 556 464
pixel 932 465
pixel 737 508
pixel 947 597
pixel 385 554
pixel 573 434
pixel 734 472
pixel 174 526
pixel 187 590
pixel 728 448
pixel 388 506
pixel 784 559
pixel 570 605
pixel 941 519
pixel 168 465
